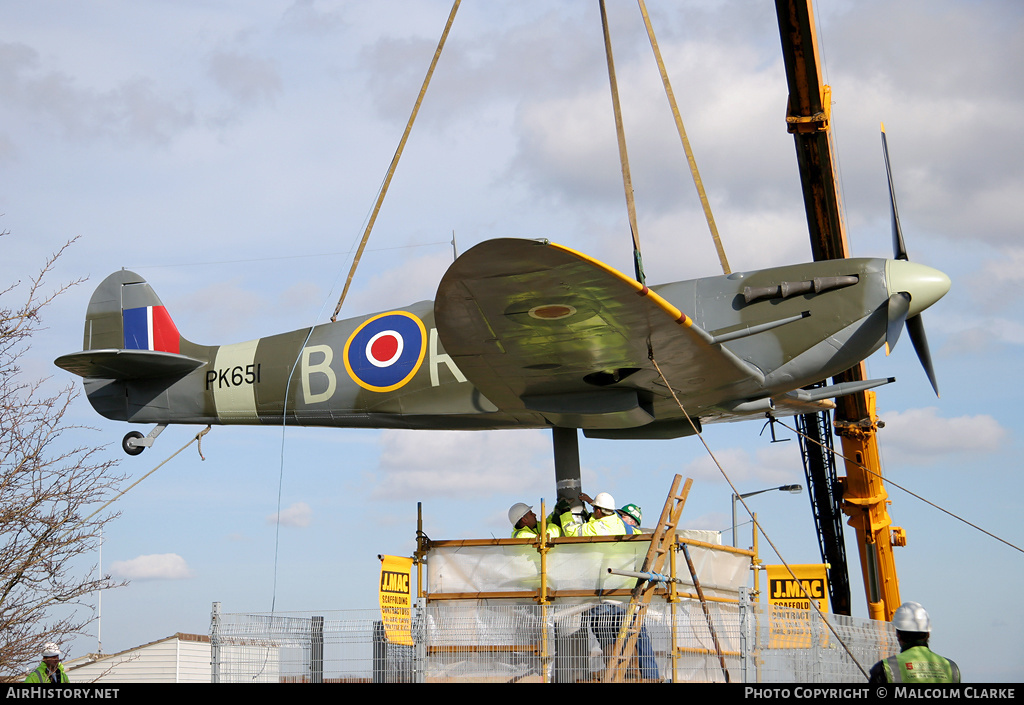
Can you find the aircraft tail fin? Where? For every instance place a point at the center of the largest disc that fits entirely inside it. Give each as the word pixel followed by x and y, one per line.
pixel 130 335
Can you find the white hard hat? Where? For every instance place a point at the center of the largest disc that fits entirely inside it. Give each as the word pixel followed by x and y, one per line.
pixel 517 511
pixel 912 617
pixel 50 650
pixel 605 501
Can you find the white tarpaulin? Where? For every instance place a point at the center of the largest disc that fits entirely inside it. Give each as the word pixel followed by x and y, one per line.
pixel 575 566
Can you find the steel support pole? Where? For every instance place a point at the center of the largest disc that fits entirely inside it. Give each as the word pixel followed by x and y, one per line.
pixel 567 462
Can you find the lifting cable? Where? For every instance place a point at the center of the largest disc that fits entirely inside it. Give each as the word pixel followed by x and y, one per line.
pixel 686 142
pixel 381 193
pixel 627 180
pixel 760 528
pixel 394 161
pixel 198 439
pixel 850 461
pixel 56 543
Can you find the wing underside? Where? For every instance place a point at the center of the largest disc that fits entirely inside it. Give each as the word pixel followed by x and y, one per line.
pixel 539 327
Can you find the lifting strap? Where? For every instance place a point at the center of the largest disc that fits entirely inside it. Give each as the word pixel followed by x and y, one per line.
pixel 686 142
pixel 394 160
pixel 627 180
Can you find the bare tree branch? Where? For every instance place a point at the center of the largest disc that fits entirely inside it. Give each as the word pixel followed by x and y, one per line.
pixel 47 487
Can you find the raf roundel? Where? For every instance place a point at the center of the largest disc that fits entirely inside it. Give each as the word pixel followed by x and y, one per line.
pixel 386 351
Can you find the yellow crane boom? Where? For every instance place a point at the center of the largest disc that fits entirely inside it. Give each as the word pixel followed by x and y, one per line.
pixel 864 498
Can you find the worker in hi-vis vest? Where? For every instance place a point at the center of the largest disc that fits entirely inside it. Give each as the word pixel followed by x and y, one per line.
pixel 50 669
pixel 525 524
pixel 605 520
pixel 915 663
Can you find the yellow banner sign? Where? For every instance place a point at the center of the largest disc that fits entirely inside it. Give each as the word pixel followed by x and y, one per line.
pixel 810 584
pixel 396 598
pixel 793 630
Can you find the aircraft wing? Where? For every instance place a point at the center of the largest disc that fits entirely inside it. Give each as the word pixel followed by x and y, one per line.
pixel 539 327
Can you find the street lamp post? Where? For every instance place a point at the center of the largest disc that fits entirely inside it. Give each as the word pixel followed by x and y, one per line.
pixel 793 489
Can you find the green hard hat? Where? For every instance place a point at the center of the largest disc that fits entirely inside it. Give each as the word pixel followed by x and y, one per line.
pixel 633 511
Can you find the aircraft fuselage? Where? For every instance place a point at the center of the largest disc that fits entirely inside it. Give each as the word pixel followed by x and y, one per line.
pixel 775 330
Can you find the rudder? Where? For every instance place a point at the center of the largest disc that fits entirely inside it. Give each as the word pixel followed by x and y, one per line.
pixel 125 313
pixel 130 335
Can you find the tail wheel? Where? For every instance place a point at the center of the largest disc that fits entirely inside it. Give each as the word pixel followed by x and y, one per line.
pixel 132 449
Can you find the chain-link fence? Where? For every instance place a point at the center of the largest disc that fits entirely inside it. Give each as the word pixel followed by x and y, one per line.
pixel 329 647
pixel 504 641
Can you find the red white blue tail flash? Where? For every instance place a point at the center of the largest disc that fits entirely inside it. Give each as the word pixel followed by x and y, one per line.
pixel 150 328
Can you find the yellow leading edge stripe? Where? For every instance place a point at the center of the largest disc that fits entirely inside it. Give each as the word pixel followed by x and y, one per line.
pixel 680 317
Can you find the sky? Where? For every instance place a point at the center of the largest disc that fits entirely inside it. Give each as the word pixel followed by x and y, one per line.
pixel 231 153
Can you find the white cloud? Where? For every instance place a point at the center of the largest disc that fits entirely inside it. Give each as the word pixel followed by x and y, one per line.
pixel 247 79
pixel 716 521
pixel 135 108
pixel 969 190
pixel 1009 268
pixel 298 515
pixel 778 463
pixel 411 280
pixel 1000 278
pixel 235 313
pixel 417 464
pixel 921 436
pixel 304 18
pixel 986 332
pixel 157 566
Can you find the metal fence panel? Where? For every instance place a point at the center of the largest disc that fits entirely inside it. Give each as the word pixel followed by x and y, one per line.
pixel 510 641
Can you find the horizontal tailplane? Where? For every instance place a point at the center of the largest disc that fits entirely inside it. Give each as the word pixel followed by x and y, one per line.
pixel 127 364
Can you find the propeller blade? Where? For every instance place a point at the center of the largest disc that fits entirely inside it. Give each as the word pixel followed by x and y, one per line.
pixel 915 327
pixel 899 306
pixel 899 249
pixel 899 302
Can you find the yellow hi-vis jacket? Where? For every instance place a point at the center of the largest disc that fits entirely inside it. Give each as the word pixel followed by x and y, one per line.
pixel 530 532
pixel 917 664
pixel 605 526
pixel 39 675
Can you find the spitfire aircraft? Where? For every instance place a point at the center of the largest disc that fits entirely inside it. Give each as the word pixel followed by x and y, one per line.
pixel 522 334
